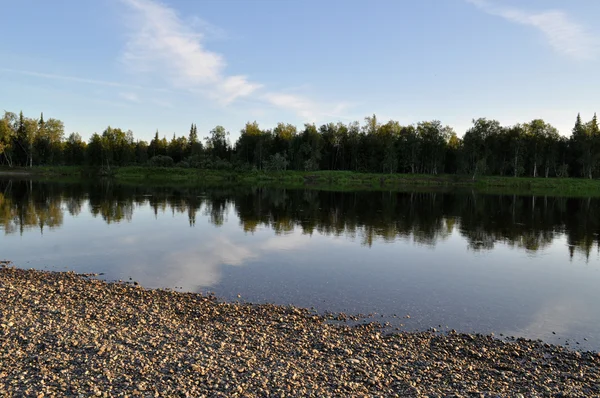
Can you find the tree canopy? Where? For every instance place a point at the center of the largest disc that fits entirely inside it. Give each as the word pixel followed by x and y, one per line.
pixel 533 148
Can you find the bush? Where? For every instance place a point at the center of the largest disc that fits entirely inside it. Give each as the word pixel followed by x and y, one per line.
pixel 194 161
pixel 220 164
pixel 161 161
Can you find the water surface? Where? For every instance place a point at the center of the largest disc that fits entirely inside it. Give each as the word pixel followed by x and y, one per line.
pixel 513 265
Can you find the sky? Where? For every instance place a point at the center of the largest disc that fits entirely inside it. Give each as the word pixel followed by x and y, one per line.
pixel 148 65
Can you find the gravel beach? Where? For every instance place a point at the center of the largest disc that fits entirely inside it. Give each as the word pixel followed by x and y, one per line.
pixel 63 334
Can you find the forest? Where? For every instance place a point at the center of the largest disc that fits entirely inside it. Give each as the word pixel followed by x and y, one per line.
pixel 533 149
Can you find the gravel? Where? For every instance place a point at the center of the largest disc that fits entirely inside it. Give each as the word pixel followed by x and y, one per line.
pixel 64 334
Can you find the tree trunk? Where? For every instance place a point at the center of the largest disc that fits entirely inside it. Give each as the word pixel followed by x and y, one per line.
pixel 514 203
pixel 535 169
pixel 8 160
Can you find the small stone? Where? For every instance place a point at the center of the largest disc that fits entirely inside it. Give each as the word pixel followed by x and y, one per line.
pixel 137 342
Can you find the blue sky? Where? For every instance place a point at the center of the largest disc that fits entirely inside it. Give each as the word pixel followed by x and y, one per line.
pixel 146 64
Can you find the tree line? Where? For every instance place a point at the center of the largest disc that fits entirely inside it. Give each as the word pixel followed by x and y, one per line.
pixel 426 218
pixel 534 149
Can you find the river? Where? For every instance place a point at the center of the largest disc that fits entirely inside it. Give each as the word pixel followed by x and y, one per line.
pixel 513 265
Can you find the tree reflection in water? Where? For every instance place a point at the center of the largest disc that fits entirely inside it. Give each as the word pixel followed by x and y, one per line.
pixel 526 222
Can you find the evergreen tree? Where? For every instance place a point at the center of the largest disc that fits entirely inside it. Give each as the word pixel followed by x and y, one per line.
pixel 582 148
pixel 593 133
pixel 194 147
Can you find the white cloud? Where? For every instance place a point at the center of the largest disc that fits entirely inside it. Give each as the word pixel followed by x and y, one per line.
pixel 236 86
pixel 300 105
pixel 564 35
pixel 163 44
pixel 160 42
pixel 201 266
pixel 562 316
pixel 294 241
pixel 309 110
pixel 129 96
pixel 211 31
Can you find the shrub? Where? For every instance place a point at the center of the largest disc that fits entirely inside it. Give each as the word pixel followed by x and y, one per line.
pixel 161 161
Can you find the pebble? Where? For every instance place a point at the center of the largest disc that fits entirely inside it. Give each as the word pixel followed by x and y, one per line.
pixel 71 335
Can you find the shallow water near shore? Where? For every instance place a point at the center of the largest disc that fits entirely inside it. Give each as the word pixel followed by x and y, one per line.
pixel 512 265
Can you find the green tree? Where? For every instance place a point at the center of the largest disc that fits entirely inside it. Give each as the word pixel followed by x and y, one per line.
pixel 141 152
pixel 48 142
pixel 410 149
pixel 217 143
pixel 94 151
pixel 476 144
pixel 118 147
pixel 158 146
pixel 433 142
pixel 74 150
pixel 54 130
pixel 582 148
pixel 309 150
pixel 283 136
pixel 551 144
pixel 453 148
pixel 253 145
pixel 593 134
pixel 388 138
pixel 516 142
pixel 23 140
pixel 8 127
pixel 194 145
pixel 177 148
pixel 277 162
pixel 539 136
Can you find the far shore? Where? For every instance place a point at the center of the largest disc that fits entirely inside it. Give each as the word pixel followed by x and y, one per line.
pixel 19 172
pixel 64 334
pixel 329 180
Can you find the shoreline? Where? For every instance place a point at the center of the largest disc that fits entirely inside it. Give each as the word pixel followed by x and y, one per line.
pixel 327 180
pixel 64 334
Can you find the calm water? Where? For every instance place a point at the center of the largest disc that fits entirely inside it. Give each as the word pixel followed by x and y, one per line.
pixel 516 265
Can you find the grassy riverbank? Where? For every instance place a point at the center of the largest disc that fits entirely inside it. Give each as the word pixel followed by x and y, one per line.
pixel 64 334
pixel 338 180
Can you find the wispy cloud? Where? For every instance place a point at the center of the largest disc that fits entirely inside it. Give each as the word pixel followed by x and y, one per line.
pixel 160 42
pixel 129 96
pixel 211 32
pixel 162 103
pixel 76 79
pixel 307 109
pixel 163 44
pixel 563 34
